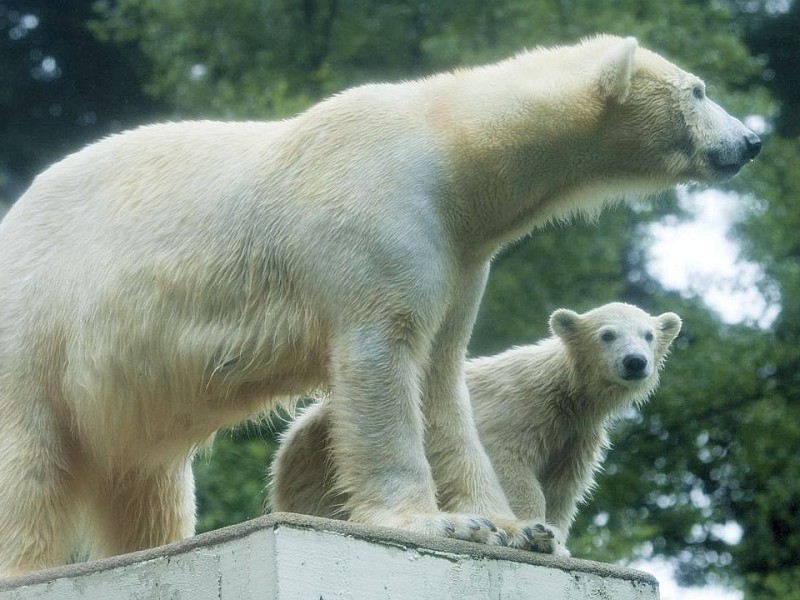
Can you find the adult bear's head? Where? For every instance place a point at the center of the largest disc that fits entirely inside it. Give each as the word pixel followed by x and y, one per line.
pixel 659 117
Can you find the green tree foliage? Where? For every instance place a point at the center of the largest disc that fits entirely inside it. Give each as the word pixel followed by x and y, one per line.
pixel 61 87
pixel 716 448
pixel 231 476
pixel 771 31
pixel 765 459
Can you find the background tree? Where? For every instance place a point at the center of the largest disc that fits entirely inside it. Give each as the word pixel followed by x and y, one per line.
pixel 62 87
pixel 715 451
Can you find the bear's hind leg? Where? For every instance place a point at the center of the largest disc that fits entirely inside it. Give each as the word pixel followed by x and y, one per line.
pixel 37 500
pixel 143 508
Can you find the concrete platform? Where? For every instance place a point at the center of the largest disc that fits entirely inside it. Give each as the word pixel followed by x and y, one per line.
pixel 286 556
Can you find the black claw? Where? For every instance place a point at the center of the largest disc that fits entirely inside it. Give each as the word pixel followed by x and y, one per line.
pixel 481 523
pixel 449 529
pixel 527 532
pixel 502 538
pixel 540 528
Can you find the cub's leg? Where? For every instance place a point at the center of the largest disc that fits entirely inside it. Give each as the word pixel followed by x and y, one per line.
pixel 377 436
pixel 37 523
pixel 143 508
pixel 302 471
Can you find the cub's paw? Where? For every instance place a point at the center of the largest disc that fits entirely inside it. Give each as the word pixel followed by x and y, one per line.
pixel 535 536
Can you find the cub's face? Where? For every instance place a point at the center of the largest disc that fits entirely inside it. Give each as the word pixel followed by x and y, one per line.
pixel 617 342
pixel 627 350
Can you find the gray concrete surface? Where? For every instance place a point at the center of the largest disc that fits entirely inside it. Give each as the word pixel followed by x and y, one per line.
pixel 286 556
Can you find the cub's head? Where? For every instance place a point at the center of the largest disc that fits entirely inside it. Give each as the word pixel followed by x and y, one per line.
pixel 617 348
pixel 659 119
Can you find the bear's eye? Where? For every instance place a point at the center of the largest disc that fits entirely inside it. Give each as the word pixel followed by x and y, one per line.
pixel 608 336
pixel 648 336
pixel 698 92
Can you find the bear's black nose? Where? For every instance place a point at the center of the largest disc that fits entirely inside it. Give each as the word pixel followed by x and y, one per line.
pixel 635 365
pixel 753 143
pixel 727 158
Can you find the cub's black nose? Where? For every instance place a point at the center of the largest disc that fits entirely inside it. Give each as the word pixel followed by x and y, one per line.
pixel 753 143
pixel 635 365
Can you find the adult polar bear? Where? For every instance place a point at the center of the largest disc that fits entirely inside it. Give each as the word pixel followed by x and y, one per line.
pixel 168 281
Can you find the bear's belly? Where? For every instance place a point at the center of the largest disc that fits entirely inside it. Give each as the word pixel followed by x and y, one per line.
pixel 171 390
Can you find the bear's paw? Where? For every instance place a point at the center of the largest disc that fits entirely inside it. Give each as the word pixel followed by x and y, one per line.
pixel 471 528
pixel 535 536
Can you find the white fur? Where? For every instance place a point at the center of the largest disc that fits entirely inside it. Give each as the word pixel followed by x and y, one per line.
pixel 178 278
pixel 542 411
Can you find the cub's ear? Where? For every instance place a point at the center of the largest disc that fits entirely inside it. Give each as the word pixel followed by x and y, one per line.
pixel 615 70
pixel 564 323
pixel 669 326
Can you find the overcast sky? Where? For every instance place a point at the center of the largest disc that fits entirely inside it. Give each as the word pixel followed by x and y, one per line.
pixel 699 257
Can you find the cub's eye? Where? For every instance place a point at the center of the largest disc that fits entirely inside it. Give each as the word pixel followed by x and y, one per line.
pixel 608 336
pixel 698 92
pixel 648 336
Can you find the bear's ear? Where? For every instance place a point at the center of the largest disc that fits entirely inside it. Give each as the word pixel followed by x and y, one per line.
pixel 564 323
pixel 669 326
pixel 615 70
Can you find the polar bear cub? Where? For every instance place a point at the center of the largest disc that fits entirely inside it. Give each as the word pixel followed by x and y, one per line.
pixel 542 412
pixel 182 277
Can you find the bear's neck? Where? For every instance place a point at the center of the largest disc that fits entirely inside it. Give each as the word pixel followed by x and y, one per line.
pixel 518 159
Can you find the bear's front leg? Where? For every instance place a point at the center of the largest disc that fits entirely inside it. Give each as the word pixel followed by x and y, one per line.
pixel 377 436
pixel 465 478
